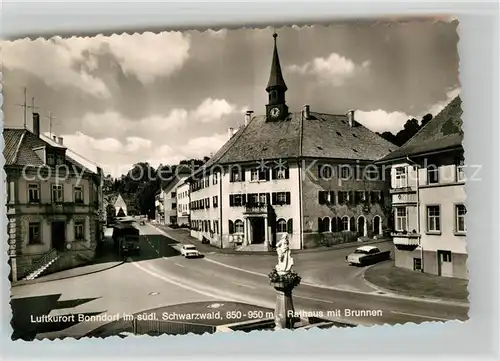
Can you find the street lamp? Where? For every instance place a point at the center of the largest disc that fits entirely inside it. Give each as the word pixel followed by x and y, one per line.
pixel 417 166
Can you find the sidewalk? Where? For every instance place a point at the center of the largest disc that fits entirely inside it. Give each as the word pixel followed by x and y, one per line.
pixel 182 235
pixel 391 279
pixel 70 273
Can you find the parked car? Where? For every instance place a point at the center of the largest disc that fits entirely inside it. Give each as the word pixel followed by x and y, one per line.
pixel 189 250
pixel 365 255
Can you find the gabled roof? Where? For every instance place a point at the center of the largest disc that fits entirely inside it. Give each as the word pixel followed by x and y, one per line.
pixel 320 136
pixel 19 145
pixel 442 132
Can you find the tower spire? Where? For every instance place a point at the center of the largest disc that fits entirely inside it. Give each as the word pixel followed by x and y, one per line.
pixel 276 77
pixel 276 109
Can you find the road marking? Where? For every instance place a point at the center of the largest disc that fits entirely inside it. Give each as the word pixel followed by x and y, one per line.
pixel 236 268
pixel 163 278
pixel 177 264
pixel 242 284
pixel 422 316
pixel 314 299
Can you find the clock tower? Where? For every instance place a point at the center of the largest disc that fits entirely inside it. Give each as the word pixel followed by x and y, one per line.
pixel 276 109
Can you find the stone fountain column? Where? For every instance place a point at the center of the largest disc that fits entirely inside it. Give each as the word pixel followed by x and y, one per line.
pixel 284 311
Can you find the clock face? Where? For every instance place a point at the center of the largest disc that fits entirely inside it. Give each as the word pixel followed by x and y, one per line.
pixel 275 112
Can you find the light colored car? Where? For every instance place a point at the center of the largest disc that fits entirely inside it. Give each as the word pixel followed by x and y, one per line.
pixel 367 255
pixel 189 250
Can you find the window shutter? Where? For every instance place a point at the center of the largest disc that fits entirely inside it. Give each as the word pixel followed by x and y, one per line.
pixel 242 175
pixel 352 196
pixel 268 198
pixel 320 225
pixel 267 174
pixel 287 195
pixel 289 226
pixel 274 173
pixel 321 197
pixel 275 198
pixel 353 224
pixel 231 200
pixel 334 224
pixel 287 173
pixel 332 197
pixel 231 227
pixel 243 199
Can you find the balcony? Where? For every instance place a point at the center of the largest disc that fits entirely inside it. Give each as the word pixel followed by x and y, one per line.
pixel 255 209
pixel 60 208
pixel 404 198
pixel 401 189
pixel 406 241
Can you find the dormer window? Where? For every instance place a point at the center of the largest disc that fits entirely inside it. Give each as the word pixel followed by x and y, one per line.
pixel 50 159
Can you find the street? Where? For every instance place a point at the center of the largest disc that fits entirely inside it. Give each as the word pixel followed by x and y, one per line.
pixel 159 276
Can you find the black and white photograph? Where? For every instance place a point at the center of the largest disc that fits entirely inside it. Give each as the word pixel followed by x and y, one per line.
pixel 223 180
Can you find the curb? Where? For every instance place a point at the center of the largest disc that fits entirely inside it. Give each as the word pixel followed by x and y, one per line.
pixel 35 281
pixel 226 251
pixel 395 294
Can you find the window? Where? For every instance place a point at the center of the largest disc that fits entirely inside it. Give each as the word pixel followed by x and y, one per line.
pixel 325 171
pixel 417 264
pixel 57 193
pixel 444 255
pixel 371 173
pixel 254 175
pixel 237 175
pixel 281 172
pixel 360 197
pixel 59 159
pixel 345 223
pixel 345 172
pixel 400 178
pixel 172 194
pixel 216 226
pixel 34 234
pixel 281 226
pixel 78 194
pixel 238 226
pixel 79 234
pixel 281 198
pixel 460 212
pixel 433 219
pixel 343 197
pixel 237 200
pixel 215 178
pixel 460 171
pixel 323 224
pixel 401 219
pixel 33 193
pixel 216 201
pixel 50 159
pixel 432 174
pixel 376 196
pixel 174 205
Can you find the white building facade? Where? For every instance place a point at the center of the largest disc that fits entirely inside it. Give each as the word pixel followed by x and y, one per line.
pixel 183 209
pixel 428 200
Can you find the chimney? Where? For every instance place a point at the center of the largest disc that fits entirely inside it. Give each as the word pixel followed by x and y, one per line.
pixel 36 124
pixel 230 132
pixel 248 117
pixel 306 112
pixel 350 118
pixel 60 140
pixel 54 138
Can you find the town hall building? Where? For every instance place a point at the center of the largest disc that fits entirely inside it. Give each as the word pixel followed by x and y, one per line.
pixel 305 174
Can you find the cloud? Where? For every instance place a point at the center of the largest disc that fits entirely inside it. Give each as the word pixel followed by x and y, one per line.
pixel 208 111
pixel 73 62
pixel 219 34
pixel 333 70
pixel 381 121
pixel 205 146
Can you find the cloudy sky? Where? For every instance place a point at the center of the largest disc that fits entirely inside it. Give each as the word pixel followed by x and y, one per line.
pixel 170 96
